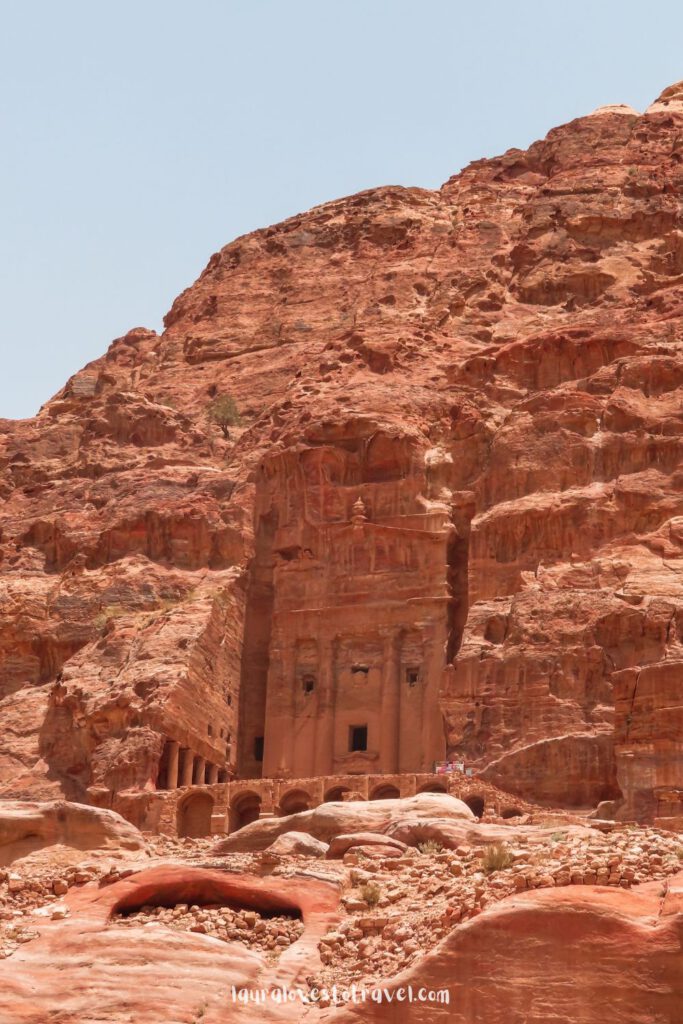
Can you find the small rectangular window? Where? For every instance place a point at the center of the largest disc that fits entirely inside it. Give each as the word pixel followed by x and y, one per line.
pixel 308 684
pixel 358 737
pixel 258 748
pixel 412 676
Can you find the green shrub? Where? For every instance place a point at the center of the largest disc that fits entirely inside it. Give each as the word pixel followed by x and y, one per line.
pixel 224 413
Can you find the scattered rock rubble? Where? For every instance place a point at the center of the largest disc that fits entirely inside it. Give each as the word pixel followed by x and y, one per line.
pixel 269 935
pixel 30 893
pixel 392 909
pixel 418 897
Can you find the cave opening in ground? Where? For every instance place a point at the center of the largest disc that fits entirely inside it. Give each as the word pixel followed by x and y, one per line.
pixel 205 888
pixel 208 902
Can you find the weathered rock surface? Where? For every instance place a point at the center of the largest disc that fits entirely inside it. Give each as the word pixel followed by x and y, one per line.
pixel 495 370
pixel 88 966
pixel 292 843
pixel 341 844
pixel 26 827
pixel 519 962
pixel 336 819
pixel 168 942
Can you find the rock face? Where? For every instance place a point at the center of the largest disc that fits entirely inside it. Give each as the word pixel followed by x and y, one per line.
pixel 455 499
pixel 26 827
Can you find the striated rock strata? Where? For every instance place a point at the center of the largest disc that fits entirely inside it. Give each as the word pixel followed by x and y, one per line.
pixel 452 515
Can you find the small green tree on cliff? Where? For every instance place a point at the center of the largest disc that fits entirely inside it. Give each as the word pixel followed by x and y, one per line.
pixel 224 413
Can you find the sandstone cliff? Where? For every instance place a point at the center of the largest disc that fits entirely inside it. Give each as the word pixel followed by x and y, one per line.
pixel 495 367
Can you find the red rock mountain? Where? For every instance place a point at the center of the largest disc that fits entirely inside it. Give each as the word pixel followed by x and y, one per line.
pixel 478 391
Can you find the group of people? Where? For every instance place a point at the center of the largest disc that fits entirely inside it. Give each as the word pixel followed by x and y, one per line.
pixel 446 767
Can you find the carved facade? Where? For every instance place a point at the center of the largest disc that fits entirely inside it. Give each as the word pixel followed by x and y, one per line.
pixel 348 616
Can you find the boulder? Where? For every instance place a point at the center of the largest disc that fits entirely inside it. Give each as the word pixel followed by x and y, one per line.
pixel 334 819
pixel 606 810
pixel 84 969
pixel 298 844
pixel 26 827
pixel 377 851
pixel 451 833
pixel 341 844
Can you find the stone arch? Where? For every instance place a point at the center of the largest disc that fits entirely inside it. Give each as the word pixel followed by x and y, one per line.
pixel 295 801
pixel 245 807
pixel 385 791
pixel 194 814
pixel 476 804
pixel 335 794
pixel 511 812
pixel 433 787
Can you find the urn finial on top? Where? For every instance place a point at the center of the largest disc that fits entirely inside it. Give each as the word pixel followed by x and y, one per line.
pixel 360 514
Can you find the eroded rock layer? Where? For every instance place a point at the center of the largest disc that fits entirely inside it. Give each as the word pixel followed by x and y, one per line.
pixel 455 497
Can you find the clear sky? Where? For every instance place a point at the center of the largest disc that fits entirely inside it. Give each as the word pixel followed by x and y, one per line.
pixel 139 136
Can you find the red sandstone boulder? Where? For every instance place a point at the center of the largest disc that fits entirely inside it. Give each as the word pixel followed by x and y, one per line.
pixel 341 844
pixel 298 844
pixel 27 827
pixel 577 954
pixel 332 819
pixel 451 834
pixel 376 851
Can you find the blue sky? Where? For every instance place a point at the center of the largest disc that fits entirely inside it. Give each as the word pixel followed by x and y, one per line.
pixel 139 137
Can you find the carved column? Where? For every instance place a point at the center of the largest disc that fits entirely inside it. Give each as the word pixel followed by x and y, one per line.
pixel 323 763
pixel 188 762
pixel 433 746
pixel 289 702
pixel 391 704
pixel 278 755
pixel 199 766
pixel 213 774
pixel 172 765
